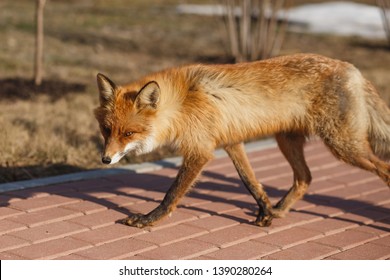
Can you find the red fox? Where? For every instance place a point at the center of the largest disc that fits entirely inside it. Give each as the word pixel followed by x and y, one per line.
pixel 197 108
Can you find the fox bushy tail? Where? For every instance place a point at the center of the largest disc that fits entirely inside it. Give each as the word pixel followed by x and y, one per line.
pixel 379 127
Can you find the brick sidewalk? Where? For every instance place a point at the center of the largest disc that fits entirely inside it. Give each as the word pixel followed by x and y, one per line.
pixel 345 215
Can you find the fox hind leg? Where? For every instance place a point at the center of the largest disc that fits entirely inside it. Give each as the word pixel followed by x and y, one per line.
pixel 359 153
pixel 291 145
pixel 240 160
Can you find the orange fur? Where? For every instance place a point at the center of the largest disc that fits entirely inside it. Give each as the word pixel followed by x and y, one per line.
pixel 197 108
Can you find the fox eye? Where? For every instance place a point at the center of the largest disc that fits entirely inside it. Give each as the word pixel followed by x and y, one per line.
pixel 106 130
pixel 128 133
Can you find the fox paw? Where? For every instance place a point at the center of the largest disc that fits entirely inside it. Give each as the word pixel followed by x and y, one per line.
pixel 136 220
pixel 264 220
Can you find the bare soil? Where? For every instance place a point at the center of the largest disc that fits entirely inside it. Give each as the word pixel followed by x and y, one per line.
pixel 50 130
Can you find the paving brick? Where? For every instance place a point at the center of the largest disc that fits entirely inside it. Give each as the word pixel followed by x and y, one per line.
pixel 85 207
pixel 321 185
pixel 143 207
pixel 120 201
pixel 7 226
pixel 324 211
pixel 176 217
pixel 108 234
pixel 368 251
pixel 383 241
pixel 213 223
pixel 41 203
pixel 48 232
pixel 377 198
pixel 289 237
pixel 346 239
pixel 99 192
pixel 172 234
pixel 193 212
pixel 8 242
pixel 186 249
pixel 44 216
pixel 356 176
pixel 51 249
pixel 232 235
pixel 117 250
pixel 6 212
pixel 378 228
pixel 329 225
pixel 99 219
pixel 248 250
pixel 305 251
pixel 365 215
pixel 217 207
pixel 8 256
pixel 74 257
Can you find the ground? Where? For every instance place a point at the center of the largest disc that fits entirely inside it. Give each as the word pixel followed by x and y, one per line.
pixel 51 129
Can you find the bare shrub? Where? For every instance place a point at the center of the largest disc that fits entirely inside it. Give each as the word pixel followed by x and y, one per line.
pixel 255 27
pixel 385 7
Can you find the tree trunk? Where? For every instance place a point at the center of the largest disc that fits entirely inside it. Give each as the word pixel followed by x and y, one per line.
pixel 38 67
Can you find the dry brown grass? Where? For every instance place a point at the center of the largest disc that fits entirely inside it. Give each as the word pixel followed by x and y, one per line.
pixel 51 130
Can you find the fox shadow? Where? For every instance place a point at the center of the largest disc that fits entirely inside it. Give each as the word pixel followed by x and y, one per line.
pixel 143 187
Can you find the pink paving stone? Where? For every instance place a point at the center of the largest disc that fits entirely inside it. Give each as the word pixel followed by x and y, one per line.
pixel 346 239
pixel 368 251
pixel 365 215
pixel 324 211
pixel 305 251
pixel 8 212
pixel 176 217
pixel 248 250
pixel 172 234
pixel 7 226
pixel 232 235
pixel 98 193
pixel 384 241
pixel 213 223
pixel 120 201
pixel 49 232
pixel 8 242
pixel 143 207
pixel 289 237
pixel 117 249
pixel 192 211
pixel 217 207
pixel 293 218
pixel 9 256
pixel 44 216
pixel 377 198
pixel 99 219
pixel 329 225
pixel 187 249
pixel 381 228
pixel 51 249
pixel 41 203
pixel 108 234
pixel 85 207
pixel 319 186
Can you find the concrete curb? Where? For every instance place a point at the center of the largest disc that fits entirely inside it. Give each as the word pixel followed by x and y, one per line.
pixel 132 168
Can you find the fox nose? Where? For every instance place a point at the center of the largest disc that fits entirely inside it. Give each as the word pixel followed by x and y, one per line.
pixel 106 160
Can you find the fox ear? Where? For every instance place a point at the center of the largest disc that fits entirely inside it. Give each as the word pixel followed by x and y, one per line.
pixel 149 95
pixel 106 87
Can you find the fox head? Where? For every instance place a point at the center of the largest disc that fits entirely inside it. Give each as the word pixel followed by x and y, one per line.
pixel 125 117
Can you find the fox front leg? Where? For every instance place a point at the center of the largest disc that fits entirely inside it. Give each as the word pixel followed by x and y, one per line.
pixel 189 171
